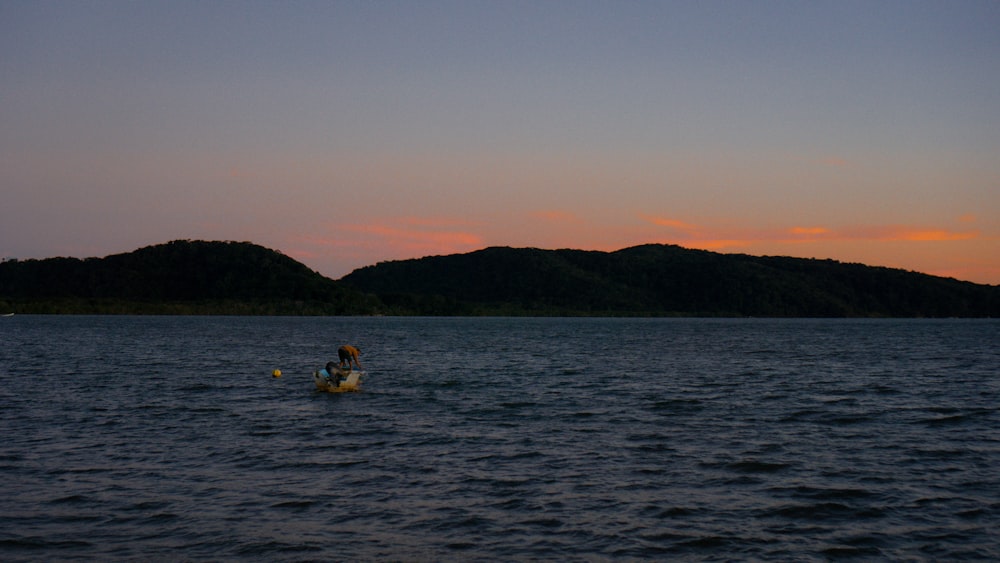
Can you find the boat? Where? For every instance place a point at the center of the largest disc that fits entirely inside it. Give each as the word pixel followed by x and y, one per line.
pixel 342 380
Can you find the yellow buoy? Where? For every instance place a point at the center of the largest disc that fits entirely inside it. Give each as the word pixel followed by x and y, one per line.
pixel 276 373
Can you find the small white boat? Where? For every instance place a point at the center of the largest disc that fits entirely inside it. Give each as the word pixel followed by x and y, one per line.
pixel 341 381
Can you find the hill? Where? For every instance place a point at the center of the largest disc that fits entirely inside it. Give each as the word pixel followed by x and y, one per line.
pixel 179 277
pixel 661 280
pixel 198 277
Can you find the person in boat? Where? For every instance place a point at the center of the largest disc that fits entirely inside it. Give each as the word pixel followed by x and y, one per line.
pixel 330 371
pixel 349 355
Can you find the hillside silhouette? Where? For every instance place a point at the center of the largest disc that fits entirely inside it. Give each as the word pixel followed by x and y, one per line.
pixel 663 280
pixel 199 277
pixel 179 277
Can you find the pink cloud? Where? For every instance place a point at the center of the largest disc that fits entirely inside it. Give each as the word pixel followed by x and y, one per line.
pixel 349 245
pixel 671 223
pixel 924 235
pixel 808 231
pixel 338 248
pixel 898 233
pixel 409 239
pixel 874 233
pixel 716 244
pixel 711 237
pixel 411 236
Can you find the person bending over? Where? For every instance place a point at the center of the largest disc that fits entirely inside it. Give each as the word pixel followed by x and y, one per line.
pixel 349 355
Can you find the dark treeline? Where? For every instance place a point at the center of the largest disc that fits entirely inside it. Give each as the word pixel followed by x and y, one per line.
pixel 180 277
pixel 663 280
pixel 240 278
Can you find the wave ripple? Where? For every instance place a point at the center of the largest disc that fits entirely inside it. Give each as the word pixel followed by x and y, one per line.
pixel 164 438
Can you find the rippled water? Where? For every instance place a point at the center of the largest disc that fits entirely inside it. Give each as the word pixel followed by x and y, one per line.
pixel 165 438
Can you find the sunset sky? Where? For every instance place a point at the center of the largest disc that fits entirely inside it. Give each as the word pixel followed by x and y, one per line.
pixel 347 133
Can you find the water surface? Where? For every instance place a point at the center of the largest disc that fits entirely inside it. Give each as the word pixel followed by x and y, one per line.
pixel 166 438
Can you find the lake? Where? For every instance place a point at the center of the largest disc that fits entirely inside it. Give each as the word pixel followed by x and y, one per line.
pixel 544 439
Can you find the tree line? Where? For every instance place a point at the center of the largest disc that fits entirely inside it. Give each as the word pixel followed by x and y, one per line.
pixel 179 277
pixel 241 278
pixel 665 280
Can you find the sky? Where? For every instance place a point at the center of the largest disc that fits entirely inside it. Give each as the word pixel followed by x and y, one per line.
pixel 347 133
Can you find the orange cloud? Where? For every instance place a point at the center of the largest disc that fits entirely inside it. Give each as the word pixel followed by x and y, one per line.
pixel 671 223
pixel 898 233
pixel 930 235
pixel 714 238
pixel 717 244
pixel 814 231
pixel 443 222
pixel 411 236
pixel 392 238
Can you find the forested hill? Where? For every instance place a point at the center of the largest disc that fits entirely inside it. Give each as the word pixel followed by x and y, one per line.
pixel 664 280
pixel 197 277
pixel 179 277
